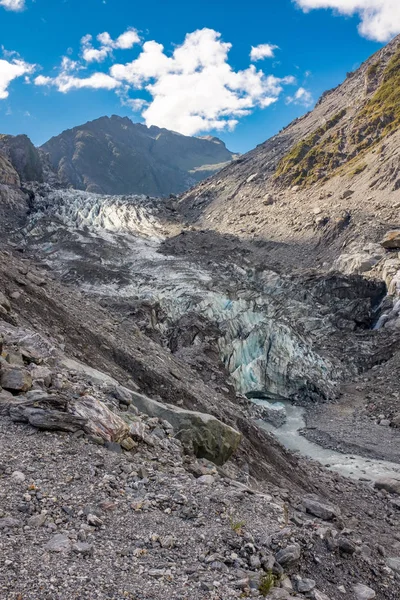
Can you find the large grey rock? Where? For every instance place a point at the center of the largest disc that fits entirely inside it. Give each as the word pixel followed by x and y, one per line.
pixel 200 433
pixel 394 564
pixel 323 511
pixel 51 420
pixel 288 556
pixel 15 379
pixel 58 543
pixel 363 592
pixel 389 484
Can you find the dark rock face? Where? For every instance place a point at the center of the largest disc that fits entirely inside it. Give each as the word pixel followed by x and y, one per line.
pixel 23 156
pixel 115 156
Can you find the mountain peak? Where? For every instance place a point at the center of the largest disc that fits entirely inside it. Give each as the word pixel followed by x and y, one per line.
pixel 114 155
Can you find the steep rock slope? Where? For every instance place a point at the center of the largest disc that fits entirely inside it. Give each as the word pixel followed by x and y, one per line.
pixel 24 157
pixel 331 178
pixel 115 156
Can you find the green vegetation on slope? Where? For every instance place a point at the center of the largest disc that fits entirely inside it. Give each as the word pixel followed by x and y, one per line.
pixel 308 157
pixel 382 111
pixel 319 155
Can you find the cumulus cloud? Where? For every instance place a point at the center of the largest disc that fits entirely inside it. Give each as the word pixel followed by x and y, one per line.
pixel 195 89
pixel 15 5
pixel 10 70
pixel 106 45
pixel 67 79
pixel 302 96
pixel 380 19
pixel 262 51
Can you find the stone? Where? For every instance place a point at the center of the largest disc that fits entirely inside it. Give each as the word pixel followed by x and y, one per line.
pixel 128 444
pixel 83 548
pixel 94 520
pixel 99 420
pixel 206 480
pixel 363 592
pixel 50 420
pixel 326 512
pixel 18 476
pixel 305 585
pixel 394 564
pixel 391 241
pixel 288 556
pixel 346 545
pixel 42 373
pixel 268 200
pixel 9 522
pixel 200 433
pixel 347 194
pixel 37 520
pixel 58 543
pixel 15 379
pixel 390 484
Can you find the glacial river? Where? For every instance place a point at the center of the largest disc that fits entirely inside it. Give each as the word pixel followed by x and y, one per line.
pixel 348 465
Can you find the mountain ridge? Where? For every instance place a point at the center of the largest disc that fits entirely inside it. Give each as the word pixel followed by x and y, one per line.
pixel 116 156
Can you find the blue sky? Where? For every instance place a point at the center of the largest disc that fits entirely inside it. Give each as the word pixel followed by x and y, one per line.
pixel 206 87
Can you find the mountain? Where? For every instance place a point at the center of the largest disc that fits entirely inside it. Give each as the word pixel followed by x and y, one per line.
pixel 326 185
pixel 115 156
pixel 23 155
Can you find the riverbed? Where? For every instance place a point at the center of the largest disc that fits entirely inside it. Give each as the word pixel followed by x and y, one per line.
pixel 348 465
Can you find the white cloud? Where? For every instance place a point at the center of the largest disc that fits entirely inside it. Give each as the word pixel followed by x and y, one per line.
pixel 262 51
pixel 15 5
pixel 124 42
pixel 380 19
pixel 67 80
pixel 10 70
pixel 195 89
pixel 302 96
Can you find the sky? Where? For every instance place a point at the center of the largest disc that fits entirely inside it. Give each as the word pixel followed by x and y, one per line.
pixel 238 70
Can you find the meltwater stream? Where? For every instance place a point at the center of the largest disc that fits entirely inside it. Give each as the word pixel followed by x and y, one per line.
pixel 348 465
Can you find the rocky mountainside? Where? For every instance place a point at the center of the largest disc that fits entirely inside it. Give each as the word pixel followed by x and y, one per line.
pixel 115 156
pixel 199 397
pixel 328 181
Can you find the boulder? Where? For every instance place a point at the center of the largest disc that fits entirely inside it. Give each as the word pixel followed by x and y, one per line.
pixel 99 420
pixel 394 564
pixel 58 543
pixel 391 240
pixel 363 592
pixel 15 379
pixel 288 556
pixel 323 511
pixel 200 433
pixel 40 372
pixel 50 420
pixel 390 484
